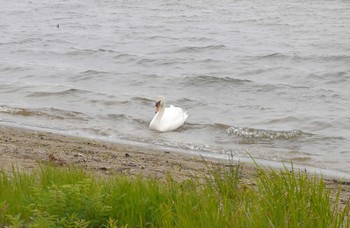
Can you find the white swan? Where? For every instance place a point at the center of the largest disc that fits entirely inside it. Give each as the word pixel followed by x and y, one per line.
pixel 167 119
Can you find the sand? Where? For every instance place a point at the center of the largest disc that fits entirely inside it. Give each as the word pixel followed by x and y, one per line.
pixel 26 149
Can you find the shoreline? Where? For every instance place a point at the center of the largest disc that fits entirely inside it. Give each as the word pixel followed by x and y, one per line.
pixel 26 149
pixel 154 149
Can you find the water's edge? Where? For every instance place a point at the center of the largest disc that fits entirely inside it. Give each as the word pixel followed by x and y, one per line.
pixel 325 173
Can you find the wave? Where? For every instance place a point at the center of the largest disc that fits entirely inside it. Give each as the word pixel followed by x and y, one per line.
pixel 139 123
pixel 180 145
pixel 16 69
pixel 146 61
pixel 125 57
pixel 88 75
pixel 106 50
pixel 327 58
pixel 160 37
pixel 118 117
pixel 18 111
pixel 107 103
pixel 212 80
pixel 252 133
pixel 67 92
pixel 143 100
pixel 93 72
pixel 287 119
pixel 275 55
pixel 334 78
pixel 76 51
pixel 322 58
pixel 161 61
pixel 167 61
pixel 200 49
pixel 220 82
pixel 50 113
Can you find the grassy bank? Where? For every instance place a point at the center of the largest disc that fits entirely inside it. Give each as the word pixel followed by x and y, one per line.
pixel 70 197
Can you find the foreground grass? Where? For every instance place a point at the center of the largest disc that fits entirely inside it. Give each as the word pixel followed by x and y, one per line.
pixel 70 197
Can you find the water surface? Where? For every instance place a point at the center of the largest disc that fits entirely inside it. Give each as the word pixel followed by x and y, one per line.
pixel 268 78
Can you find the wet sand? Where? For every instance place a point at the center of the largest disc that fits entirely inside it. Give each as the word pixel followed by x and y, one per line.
pixel 26 149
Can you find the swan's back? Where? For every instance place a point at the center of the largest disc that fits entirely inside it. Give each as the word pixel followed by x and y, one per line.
pixel 174 116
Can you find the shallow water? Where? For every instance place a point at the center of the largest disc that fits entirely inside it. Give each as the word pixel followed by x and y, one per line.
pixel 265 78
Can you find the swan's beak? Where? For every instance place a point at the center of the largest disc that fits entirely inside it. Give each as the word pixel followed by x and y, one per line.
pixel 157 107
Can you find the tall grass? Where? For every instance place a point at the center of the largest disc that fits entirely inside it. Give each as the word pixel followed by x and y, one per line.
pixel 70 197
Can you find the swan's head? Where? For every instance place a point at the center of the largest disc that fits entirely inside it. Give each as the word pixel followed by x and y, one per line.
pixel 159 103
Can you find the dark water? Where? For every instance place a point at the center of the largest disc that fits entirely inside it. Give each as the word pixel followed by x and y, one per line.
pixel 268 78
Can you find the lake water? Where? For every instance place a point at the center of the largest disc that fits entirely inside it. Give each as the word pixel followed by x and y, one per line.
pixel 266 78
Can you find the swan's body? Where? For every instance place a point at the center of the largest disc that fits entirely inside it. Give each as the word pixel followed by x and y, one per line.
pixel 167 119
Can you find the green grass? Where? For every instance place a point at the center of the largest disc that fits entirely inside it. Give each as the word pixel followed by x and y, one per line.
pixel 70 197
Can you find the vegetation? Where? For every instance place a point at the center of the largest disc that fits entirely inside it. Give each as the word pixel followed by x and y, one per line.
pixel 70 197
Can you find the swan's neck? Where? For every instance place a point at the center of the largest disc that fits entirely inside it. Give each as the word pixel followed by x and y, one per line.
pixel 160 113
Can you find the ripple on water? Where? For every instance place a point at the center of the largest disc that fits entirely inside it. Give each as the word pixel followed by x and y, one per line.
pixel 253 133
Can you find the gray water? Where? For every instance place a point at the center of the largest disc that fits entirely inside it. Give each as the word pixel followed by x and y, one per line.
pixel 266 78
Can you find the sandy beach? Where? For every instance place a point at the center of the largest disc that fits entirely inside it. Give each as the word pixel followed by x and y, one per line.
pixel 26 149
